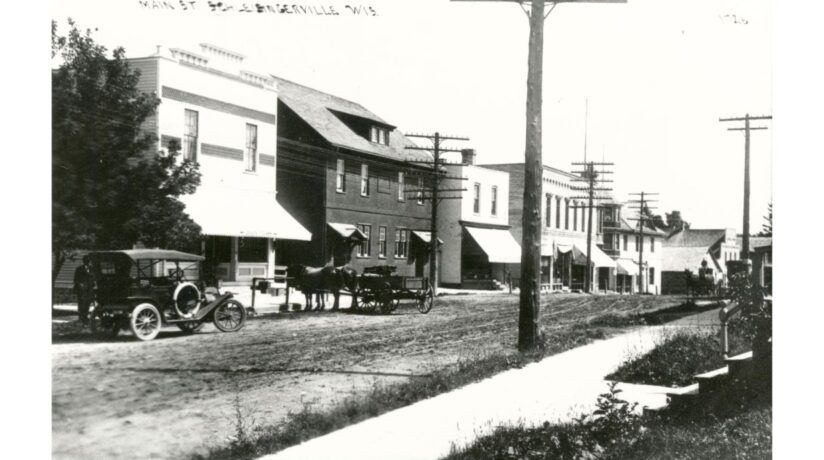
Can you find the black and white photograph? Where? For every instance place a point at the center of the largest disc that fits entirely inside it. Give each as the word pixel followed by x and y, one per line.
pixel 424 230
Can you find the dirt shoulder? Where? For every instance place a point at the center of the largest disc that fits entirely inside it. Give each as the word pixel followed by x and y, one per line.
pixel 174 396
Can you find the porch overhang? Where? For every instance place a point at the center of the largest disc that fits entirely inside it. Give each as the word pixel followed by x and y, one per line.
pixel 627 267
pixel 426 237
pixel 242 213
pixel 499 245
pixel 347 231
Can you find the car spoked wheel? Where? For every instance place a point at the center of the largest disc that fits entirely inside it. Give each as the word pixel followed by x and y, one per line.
pixel 104 325
pixel 230 316
pixel 190 327
pixel 145 321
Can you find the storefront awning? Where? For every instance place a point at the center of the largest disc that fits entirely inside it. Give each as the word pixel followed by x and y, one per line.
pixel 499 245
pixel 242 213
pixel 627 267
pixel 600 259
pixel 347 231
pixel 426 237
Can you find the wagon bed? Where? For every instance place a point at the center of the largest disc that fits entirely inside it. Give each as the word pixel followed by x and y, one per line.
pixel 379 289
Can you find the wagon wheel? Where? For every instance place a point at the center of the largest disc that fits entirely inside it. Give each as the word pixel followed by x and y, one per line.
pixel 385 298
pixel 426 300
pixel 368 301
pixel 145 321
pixel 396 302
pixel 190 327
pixel 230 317
pixel 104 326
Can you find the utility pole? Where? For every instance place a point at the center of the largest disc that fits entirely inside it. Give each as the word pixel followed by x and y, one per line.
pixel 644 217
pixel 747 128
pixel 530 292
pixel 593 179
pixel 436 177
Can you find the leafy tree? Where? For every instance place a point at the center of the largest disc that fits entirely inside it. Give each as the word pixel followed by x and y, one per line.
pixel 110 188
pixel 766 228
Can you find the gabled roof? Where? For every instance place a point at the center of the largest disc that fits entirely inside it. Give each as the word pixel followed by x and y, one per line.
pixel 687 237
pixel 318 110
pixel 678 259
pixel 755 241
pixel 624 226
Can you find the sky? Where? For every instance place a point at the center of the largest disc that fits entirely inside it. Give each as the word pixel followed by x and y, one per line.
pixel 646 81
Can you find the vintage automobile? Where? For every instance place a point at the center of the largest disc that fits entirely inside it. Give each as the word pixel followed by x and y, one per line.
pixel 142 289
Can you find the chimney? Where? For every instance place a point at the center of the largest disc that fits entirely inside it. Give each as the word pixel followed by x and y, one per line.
pixel 468 156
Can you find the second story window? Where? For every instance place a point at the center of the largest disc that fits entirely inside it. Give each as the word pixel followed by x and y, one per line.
pixel 558 212
pixel 251 147
pixel 365 248
pixel 626 242
pixel 401 196
pixel 381 241
pixel 652 245
pixel 566 214
pixel 364 180
pixel 190 123
pixel 575 216
pixel 494 203
pixel 548 210
pixel 419 194
pixel 340 175
pixel 476 198
pixel 637 243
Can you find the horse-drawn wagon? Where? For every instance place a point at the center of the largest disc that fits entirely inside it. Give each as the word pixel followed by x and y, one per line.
pixel 379 289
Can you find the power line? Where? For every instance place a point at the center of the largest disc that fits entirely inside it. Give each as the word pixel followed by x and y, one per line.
pixel 747 128
pixel 644 216
pixel 438 174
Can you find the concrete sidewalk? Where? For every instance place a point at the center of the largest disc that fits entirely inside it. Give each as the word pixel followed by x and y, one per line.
pixel 557 389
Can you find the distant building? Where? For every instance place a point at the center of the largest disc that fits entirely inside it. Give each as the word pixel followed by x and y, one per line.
pixel 346 175
pixel 694 249
pixel 225 118
pixel 622 242
pixel 564 220
pixel 478 249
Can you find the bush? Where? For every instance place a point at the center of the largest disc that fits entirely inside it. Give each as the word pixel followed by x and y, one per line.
pixel 676 361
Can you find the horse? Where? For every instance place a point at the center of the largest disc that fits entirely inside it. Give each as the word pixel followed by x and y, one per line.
pixel 319 280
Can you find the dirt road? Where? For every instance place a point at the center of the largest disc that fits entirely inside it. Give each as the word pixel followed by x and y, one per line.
pixel 174 396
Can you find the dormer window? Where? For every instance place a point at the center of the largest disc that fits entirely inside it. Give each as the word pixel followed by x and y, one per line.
pixel 379 135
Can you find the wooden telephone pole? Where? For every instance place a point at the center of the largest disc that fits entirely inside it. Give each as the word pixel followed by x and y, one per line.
pixel 745 250
pixel 644 217
pixel 437 175
pixel 593 179
pixel 530 292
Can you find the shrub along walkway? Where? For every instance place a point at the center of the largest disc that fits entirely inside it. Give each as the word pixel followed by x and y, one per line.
pixel 556 389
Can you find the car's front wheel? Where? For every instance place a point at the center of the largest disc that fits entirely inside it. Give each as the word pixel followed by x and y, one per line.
pixel 145 321
pixel 230 316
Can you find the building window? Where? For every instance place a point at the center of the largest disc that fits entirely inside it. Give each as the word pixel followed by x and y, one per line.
pixel 190 135
pixel 494 210
pixel 419 193
pixel 575 216
pixel 476 198
pixel 379 135
pixel 652 275
pixel 401 196
pixel 251 147
pixel 652 244
pixel 558 212
pixel 364 180
pixel 381 241
pixel 626 242
pixel 566 214
pixel 637 243
pixel 583 219
pixel 340 181
pixel 401 243
pixel 365 248
pixel 548 209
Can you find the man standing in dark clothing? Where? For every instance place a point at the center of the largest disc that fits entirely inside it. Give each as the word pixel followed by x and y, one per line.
pixel 84 288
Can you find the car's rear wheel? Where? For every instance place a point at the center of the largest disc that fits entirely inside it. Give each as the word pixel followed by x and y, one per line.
pixel 104 325
pixel 230 316
pixel 190 327
pixel 145 321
